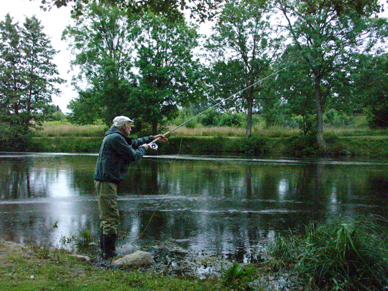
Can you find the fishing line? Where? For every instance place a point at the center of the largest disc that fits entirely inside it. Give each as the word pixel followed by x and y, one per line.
pixel 153 144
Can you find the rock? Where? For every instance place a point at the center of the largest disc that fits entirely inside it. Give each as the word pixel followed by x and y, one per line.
pixel 82 258
pixel 136 259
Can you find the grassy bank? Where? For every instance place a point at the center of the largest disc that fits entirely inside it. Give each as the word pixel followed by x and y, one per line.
pixel 269 142
pixel 34 268
pixel 334 255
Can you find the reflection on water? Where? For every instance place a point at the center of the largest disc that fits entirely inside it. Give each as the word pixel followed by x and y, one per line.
pixel 219 205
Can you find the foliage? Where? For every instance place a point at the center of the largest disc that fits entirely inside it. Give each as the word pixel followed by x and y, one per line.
pixel 326 36
pixel 338 255
pixel 371 88
pixel 337 118
pixel 168 73
pixel 27 77
pixel 242 45
pixel 110 47
pixel 102 45
pixel 210 118
pixel 173 9
pixel 237 277
pixel 255 146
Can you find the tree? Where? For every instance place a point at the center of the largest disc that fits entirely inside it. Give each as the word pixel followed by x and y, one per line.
pixel 168 72
pixel 27 76
pixel 101 42
pixel 370 89
pixel 172 9
pixel 326 34
pixel 41 75
pixel 243 47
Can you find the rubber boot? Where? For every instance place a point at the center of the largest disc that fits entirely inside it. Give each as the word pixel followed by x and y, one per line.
pixel 109 246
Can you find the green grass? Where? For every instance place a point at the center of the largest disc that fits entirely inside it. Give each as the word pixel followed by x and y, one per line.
pixel 60 129
pixel 337 255
pixel 333 255
pixel 33 268
pixel 271 141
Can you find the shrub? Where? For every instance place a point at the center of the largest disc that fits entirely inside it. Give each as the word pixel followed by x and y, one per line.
pixel 210 118
pixel 338 255
pixel 256 146
pixel 232 119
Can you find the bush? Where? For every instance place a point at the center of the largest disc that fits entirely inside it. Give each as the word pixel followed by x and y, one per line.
pixel 14 138
pixel 255 146
pixel 378 117
pixel 210 118
pixel 232 119
pixel 336 118
pixel 338 255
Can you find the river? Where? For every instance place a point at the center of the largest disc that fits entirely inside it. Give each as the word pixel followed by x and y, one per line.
pixel 226 206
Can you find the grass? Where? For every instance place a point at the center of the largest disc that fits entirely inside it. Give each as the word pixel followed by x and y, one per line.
pixel 333 255
pixel 60 129
pixel 265 141
pixel 337 255
pixel 34 268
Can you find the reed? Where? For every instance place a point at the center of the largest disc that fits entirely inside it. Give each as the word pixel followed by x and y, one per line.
pixel 60 129
pixel 338 255
pixel 223 131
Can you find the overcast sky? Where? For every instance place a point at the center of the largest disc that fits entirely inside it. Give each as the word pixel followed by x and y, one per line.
pixel 54 23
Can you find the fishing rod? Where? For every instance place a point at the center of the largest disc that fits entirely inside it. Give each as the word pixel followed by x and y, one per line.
pixel 153 144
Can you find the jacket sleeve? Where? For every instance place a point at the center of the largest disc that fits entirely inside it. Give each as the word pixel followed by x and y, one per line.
pixel 139 141
pixel 127 152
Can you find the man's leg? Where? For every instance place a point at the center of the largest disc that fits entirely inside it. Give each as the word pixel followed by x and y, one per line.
pixel 109 216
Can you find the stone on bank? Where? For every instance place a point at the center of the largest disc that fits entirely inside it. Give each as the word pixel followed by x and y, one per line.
pixel 134 260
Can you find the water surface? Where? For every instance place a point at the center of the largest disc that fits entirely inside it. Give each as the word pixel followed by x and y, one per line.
pixel 219 205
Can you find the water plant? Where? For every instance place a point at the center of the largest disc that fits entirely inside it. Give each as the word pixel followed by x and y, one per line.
pixel 338 254
pixel 238 276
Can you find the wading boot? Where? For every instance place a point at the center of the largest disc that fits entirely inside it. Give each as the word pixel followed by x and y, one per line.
pixel 109 242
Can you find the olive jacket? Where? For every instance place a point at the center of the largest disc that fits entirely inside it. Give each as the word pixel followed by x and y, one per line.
pixel 116 152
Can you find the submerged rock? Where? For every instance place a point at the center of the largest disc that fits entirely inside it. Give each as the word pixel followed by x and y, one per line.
pixel 136 259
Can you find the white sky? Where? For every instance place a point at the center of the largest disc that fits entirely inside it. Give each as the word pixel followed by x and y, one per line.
pixel 54 22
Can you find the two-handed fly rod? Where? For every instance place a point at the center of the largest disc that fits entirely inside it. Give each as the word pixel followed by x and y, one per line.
pixel 153 144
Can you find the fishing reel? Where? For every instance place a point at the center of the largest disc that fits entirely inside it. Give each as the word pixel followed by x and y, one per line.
pixel 153 145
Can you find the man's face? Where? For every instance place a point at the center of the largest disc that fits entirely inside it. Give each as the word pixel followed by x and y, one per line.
pixel 127 128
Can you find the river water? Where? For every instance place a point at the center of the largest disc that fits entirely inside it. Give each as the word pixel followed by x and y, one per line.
pixel 221 205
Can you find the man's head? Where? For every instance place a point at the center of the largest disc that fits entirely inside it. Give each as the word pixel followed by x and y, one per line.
pixel 123 123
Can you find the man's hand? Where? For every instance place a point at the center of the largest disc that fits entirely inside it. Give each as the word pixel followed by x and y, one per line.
pixel 146 146
pixel 161 137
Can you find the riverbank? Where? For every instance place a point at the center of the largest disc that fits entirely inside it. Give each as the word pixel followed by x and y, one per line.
pixel 286 146
pixel 335 255
pixel 274 141
pixel 33 268
pixel 28 267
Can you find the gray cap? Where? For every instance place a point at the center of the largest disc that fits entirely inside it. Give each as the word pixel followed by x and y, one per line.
pixel 120 120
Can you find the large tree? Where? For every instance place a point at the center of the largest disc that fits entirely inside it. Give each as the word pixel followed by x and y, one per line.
pixel 325 36
pixel 172 9
pixel 141 66
pixel 244 49
pixel 28 76
pixel 101 42
pixel 168 70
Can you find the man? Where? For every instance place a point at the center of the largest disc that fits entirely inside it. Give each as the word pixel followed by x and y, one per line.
pixel 116 152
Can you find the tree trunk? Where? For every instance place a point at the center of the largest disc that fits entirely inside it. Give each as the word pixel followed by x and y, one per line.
pixel 318 107
pixel 249 117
